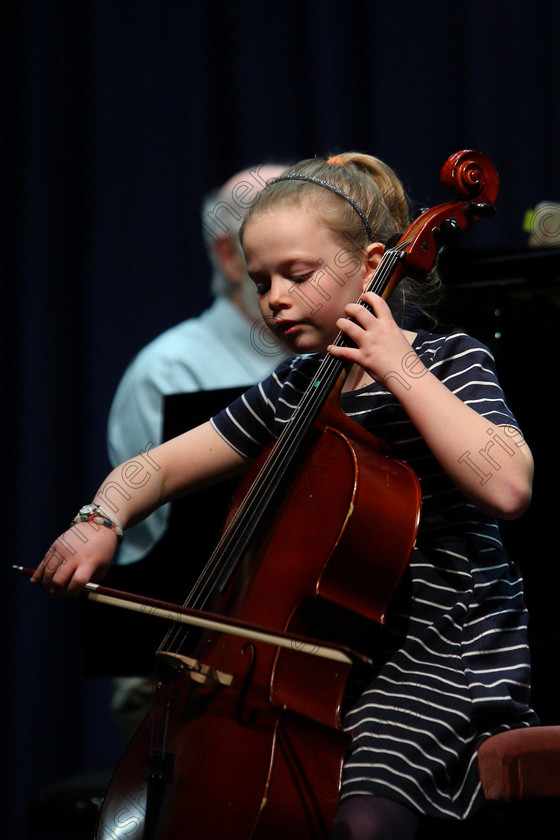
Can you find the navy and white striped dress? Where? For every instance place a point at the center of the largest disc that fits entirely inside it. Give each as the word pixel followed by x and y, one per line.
pixel 452 661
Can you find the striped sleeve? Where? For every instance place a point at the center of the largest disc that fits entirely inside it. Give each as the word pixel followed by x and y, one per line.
pixel 253 420
pixel 246 423
pixel 468 369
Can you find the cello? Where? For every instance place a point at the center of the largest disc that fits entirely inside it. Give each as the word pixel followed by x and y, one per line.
pixel 245 739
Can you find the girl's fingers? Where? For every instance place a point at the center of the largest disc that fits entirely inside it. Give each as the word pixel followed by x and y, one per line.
pixel 54 573
pixel 346 353
pixel 363 316
pixel 50 565
pixel 351 328
pixel 67 566
pixel 82 574
pixel 359 313
pixel 377 303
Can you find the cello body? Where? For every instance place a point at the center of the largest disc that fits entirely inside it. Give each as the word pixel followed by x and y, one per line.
pixel 259 726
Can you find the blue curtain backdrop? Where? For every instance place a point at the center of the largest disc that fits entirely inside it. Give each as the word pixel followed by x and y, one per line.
pixel 117 116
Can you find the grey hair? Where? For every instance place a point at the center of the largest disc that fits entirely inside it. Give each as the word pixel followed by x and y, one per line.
pixel 223 213
pixel 213 228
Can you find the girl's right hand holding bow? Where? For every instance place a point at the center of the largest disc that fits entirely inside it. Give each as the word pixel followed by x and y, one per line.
pixel 81 554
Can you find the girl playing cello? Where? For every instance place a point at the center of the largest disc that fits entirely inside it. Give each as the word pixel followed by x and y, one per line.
pixel 451 660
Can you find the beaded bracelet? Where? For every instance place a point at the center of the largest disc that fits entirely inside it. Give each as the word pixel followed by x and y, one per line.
pixel 99 516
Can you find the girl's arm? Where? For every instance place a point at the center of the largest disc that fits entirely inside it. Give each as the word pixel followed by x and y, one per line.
pixel 456 434
pixel 196 459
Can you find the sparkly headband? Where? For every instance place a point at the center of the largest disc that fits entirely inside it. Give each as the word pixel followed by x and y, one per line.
pixel 295 176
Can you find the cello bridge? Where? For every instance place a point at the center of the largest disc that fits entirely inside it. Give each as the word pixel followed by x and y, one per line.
pixel 196 670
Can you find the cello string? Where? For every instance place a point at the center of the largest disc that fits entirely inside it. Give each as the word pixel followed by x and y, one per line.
pixel 236 537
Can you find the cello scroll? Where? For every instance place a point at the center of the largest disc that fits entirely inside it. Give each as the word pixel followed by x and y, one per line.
pixel 468 174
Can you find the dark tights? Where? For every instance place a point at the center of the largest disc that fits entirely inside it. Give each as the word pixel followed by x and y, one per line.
pixel 374 818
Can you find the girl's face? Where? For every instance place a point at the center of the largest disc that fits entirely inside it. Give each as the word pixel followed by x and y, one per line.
pixel 304 274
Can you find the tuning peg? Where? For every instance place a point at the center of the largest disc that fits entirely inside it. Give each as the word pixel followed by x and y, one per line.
pixel 478 210
pixel 448 233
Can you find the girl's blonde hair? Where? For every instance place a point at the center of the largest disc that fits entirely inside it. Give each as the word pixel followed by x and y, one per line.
pixel 372 184
pixel 379 194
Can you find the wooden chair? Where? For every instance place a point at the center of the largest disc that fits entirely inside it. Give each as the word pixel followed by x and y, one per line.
pixel 520 774
pixel 521 764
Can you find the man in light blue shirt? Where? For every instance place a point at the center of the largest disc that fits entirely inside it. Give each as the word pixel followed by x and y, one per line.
pixel 227 346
